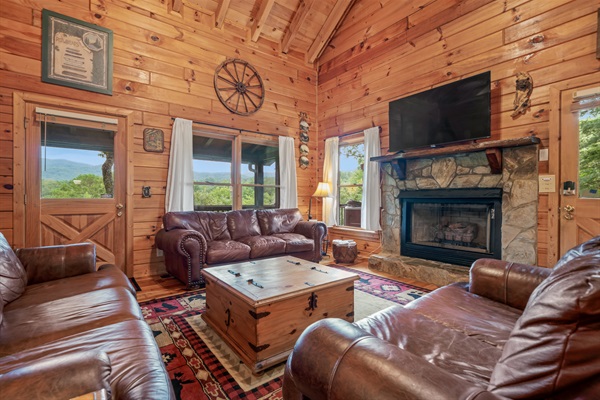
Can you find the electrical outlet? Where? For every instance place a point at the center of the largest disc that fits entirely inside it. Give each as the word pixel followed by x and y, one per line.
pixel 159 253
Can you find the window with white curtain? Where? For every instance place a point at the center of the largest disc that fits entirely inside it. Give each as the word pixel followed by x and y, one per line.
pixel 232 172
pixel 350 181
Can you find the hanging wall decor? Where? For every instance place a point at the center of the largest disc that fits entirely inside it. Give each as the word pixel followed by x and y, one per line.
pixel 239 87
pixel 76 54
pixel 524 87
pixel 304 126
pixel 154 140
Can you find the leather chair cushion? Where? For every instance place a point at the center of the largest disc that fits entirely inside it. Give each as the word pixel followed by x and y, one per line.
pixel 213 225
pixel 555 344
pixel 242 223
pixel 137 366
pixel 278 221
pixel 477 316
pixel 263 246
pixel 295 243
pixel 220 251
pixel 13 277
pixel 64 317
pixel 451 350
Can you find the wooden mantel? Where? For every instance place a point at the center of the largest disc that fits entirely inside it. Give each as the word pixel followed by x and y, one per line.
pixel 492 150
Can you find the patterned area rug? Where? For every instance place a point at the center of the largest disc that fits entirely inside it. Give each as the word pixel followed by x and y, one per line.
pixel 202 366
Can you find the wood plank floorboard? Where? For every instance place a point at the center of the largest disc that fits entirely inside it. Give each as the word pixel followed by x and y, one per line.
pixel 155 287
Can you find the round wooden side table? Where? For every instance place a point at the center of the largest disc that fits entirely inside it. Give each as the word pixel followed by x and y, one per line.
pixel 344 251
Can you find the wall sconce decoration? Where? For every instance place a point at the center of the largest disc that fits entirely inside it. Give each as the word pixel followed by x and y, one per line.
pixel 524 87
pixel 304 138
pixel 154 140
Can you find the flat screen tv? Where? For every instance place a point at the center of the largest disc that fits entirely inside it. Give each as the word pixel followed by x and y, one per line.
pixel 456 112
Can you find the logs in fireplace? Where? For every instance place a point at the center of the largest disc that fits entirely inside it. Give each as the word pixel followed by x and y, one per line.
pixel 456 226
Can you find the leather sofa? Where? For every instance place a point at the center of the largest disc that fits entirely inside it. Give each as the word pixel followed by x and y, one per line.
pixel 192 240
pixel 67 329
pixel 514 331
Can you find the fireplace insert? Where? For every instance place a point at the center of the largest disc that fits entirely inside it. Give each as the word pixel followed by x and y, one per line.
pixel 455 226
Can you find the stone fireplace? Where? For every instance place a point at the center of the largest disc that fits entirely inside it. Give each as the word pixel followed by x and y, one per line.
pixel 516 185
pixel 455 226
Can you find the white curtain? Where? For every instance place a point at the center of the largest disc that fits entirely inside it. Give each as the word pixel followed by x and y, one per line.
pixel 371 196
pixel 287 173
pixel 180 180
pixel 331 165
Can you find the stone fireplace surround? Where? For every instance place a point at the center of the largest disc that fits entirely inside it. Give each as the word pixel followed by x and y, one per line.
pixel 518 180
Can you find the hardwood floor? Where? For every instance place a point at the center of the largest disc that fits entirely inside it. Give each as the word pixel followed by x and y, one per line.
pixel 155 287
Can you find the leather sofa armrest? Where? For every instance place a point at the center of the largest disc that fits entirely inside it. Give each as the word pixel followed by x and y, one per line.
pixel 335 359
pixel 49 263
pixel 61 377
pixel 506 282
pixel 184 242
pixel 311 229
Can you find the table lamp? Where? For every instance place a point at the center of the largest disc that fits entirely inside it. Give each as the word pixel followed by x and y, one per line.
pixel 323 190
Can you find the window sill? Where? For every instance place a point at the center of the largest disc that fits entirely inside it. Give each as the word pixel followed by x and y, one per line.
pixel 339 229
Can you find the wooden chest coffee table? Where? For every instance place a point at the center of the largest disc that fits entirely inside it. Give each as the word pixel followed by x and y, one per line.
pixel 259 308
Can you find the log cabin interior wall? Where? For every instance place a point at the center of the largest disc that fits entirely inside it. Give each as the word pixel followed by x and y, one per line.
pixel 164 62
pixel 165 54
pixel 385 50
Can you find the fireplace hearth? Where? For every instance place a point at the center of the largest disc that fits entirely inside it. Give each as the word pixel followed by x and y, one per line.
pixel 455 226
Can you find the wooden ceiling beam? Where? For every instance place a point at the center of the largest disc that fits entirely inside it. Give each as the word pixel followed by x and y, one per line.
pixel 221 11
pixel 294 27
pixel 340 9
pixel 261 17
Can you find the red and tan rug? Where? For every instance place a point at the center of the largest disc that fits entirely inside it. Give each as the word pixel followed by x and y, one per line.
pixel 202 366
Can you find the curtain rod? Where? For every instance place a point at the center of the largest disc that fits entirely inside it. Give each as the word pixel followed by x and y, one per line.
pixel 354 133
pixel 233 129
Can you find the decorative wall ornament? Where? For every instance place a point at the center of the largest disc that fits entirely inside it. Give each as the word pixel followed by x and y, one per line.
pixel 239 87
pixel 76 54
pixel 524 87
pixel 154 140
pixel 304 138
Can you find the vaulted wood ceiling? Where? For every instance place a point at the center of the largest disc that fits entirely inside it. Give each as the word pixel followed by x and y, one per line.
pixel 302 26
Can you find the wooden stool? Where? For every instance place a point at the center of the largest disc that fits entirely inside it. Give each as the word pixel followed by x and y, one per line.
pixel 344 251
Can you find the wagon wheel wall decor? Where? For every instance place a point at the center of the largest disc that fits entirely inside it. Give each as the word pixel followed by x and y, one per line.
pixel 239 87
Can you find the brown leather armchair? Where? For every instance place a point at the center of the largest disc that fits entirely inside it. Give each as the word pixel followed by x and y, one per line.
pixel 192 240
pixel 515 331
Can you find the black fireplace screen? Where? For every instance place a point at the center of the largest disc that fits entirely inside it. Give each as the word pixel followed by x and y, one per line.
pixel 456 226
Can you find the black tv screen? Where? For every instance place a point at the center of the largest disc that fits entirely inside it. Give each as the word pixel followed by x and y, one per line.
pixel 456 112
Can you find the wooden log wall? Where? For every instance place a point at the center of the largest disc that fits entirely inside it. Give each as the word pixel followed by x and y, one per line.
pixel 164 63
pixel 385 50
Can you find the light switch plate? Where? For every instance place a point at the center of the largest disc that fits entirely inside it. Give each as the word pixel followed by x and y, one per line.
pixel 547 184
pixel 159 253
pixel 543 154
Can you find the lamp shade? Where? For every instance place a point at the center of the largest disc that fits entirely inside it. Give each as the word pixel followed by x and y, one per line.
pixel 323 190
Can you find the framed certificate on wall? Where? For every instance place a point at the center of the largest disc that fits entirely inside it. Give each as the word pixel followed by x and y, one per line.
pixel 76 54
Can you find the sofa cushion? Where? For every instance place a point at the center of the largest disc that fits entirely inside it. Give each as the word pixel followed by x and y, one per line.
pixel 242 223
pixel 264 246
pixel 554 344
pixel 278 221
pixel 13 277
pixel 136 362
pixel 106 277
pixel 478 317
pixel 220 251
pixel 64 317
pixel 212 225
pixel 295 243
pixel 447 348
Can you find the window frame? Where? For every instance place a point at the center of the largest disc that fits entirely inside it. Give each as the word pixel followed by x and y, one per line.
pixel 347 141
pixel 237 140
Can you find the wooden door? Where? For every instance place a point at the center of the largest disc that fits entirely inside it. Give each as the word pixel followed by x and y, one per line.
pixel 67 201
pixel 580 164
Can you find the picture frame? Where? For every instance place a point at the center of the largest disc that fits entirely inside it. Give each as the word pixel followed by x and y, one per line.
pixel 76 54
pixel 154 140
